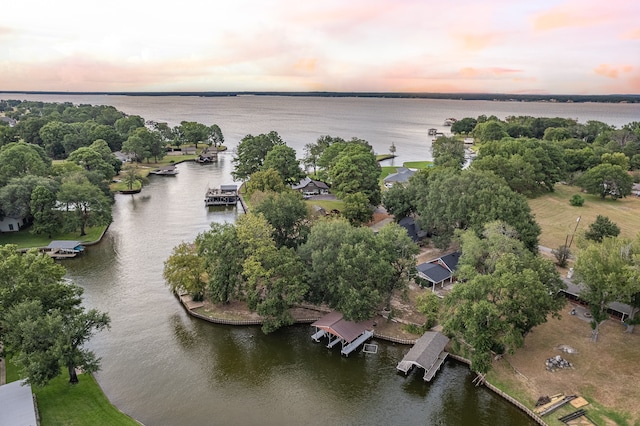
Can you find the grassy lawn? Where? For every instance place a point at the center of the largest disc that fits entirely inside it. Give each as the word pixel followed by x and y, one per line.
pixel 25 239
pixel 382 157
pixel 328 205
pixel 418 164
pixel 558 218
pixel 61 403
pixel 387 170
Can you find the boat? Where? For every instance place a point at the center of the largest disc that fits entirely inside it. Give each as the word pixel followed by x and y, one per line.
pixel 449 121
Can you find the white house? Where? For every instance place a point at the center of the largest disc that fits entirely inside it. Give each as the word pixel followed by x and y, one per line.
pixel 11 224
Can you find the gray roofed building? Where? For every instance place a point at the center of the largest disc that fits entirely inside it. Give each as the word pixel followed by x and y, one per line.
pixel 439 270
pixel 16 405
pixel 309 186
pixel 427 353
pixel 402 175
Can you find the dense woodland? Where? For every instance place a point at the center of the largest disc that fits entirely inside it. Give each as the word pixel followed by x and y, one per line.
pixel 57 160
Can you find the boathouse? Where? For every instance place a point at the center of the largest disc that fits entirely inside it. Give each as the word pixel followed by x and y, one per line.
pixel 207 156
pixel 168 170
pixel 427 353
pixel 226 195
pixel 61 249
pixel 336 330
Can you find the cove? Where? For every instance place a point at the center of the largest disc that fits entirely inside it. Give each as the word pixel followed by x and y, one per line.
pixel 163 367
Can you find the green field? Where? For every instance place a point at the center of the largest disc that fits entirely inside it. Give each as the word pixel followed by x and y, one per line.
pixel 558 218
pixel 25 239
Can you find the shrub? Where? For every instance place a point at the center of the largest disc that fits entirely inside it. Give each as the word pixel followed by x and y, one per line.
pixel 577 200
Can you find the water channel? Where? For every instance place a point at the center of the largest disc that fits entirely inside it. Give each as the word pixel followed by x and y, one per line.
pixel 164 367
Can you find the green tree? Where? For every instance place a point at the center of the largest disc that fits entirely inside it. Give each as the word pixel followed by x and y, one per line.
pixel 508 290
pixel 615 158
pixel 355 169
pixel 398 250
pixel 476 198
pixel 130 175
pixel 282 159
pixel 223 257
pixel 251 152
pixel 184 271
pixel 91 160
pixel 491 130
pixel 16 196
pixel 429 304
pixel 313 151
pixel 216 138
pixel 448 152
pixel 45 218
pixel 139 144
pixel 194 132
pixel 605 272
pixel 127 125
pixel 265 181
pixel 464 126
pixel 86 203
pixel 52 135
pixel 108 134
pixel 18 159
pixel 41 342
pixel 607 179
pixel 399 201
pixel 350 256
pixel 601 228
pixel 288 214
pixel 357 209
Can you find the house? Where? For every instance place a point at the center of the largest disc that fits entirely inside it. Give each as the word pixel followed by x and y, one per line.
pixel 635 190
pixel 207 156
pixel 413 228
pixel 17 406
pixel 401 176
pixel 440 270
pixel 12 224
pixel 12 122
pixel 308 186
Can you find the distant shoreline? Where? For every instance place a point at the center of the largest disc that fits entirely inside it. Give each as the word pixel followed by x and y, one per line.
pixel 500 97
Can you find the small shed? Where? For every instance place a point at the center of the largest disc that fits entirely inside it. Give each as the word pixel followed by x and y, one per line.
pixel 11 224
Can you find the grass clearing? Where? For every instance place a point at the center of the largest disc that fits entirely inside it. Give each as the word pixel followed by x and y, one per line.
pixel 327 205
pixel 61 403
pixel 417 164
pixel 557 217
pixel 605 372
pixel 25 239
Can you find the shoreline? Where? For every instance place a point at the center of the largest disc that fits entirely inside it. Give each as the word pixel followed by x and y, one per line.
pixel 189 307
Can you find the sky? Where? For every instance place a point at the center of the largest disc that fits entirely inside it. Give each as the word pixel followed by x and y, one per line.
pixel 583 47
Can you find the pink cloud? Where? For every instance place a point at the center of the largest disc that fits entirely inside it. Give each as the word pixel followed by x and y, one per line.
pixel 610 71
pixel 632 34
pixel 475 42
pixel 470 72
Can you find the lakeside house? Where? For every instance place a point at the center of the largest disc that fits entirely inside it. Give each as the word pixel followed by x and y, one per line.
pixel 308 186
pixel 439 270
pixel 401 176
pixel 12 224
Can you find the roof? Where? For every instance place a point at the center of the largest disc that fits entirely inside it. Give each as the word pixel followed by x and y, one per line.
pixel 434 272
pixel 228 187
pixel 427 349
pixel 335 324
pixel 64 244
pixel 16 405
pixel 306 181
pixel 451 260
pixel 575 289
pixel 402 175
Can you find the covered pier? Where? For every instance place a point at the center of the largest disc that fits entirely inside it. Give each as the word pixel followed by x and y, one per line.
pixel 427 353
pixel 226 195
pixel 338 330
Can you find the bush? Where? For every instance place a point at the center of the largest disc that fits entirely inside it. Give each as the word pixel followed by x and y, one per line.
pixel 576 200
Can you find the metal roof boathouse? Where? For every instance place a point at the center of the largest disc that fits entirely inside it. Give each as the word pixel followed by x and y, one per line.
pixel 427 353
pixel 338 330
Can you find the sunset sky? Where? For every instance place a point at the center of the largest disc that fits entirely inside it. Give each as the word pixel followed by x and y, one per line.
pixel 498 46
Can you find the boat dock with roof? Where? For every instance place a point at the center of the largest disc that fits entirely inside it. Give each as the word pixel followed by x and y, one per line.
pixel 226 195
pixel 338 330
pixel 427 353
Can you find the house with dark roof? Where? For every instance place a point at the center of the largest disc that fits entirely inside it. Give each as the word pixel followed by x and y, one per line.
pixel 401 176
pixel 308 186
pixel 413 228
pixel 439 270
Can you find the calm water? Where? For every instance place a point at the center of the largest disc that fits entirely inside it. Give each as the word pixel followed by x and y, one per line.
pixel 165 368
